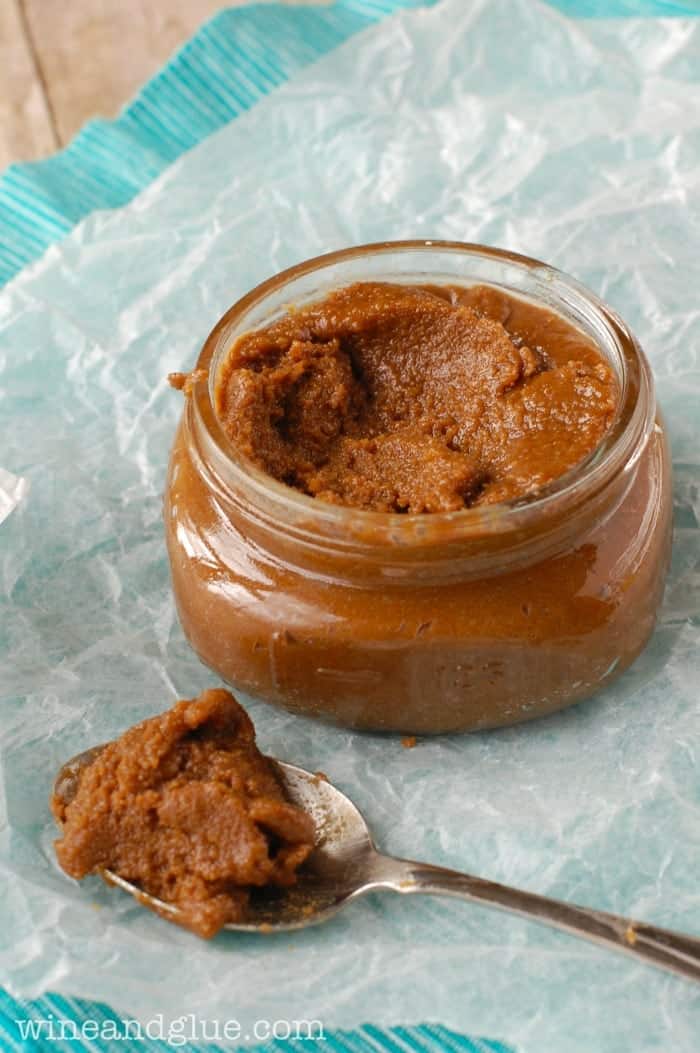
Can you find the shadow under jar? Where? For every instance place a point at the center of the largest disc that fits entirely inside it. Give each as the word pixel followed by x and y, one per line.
pixel 448 621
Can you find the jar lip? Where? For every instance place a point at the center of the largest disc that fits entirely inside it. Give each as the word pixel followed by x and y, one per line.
pixel 618 448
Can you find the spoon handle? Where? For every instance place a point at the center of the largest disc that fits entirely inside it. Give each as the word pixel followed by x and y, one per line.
pixel 669 950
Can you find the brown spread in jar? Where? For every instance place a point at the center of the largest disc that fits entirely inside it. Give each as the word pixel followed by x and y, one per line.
pixel 398 398
pixel 520 415
pixel 186 807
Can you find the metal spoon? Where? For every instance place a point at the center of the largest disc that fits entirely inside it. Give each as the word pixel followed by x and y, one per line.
pixel 345 864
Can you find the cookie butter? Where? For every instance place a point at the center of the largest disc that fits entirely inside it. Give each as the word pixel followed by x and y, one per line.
pixel 397 398
pixel 186 807
pixel 433 494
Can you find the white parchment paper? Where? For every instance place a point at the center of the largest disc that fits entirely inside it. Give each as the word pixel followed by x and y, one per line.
pixel 491 120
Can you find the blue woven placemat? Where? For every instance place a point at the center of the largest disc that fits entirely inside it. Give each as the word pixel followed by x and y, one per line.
pixel 233 60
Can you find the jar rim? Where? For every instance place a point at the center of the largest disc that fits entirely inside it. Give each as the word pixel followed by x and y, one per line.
pixel 618 449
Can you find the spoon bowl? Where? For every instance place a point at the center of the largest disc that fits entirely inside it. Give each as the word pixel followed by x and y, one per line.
pixel 342 864
pixel 346 864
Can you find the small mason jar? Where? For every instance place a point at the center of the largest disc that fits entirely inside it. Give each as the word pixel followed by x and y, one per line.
pixel 421 623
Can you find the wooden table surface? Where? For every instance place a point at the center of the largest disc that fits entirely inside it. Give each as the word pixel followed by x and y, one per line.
pixel 64 61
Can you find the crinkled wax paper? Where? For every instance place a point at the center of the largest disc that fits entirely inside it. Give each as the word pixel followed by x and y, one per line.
pixel 497 121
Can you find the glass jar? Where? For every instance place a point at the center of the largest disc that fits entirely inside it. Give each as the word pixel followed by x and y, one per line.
pixel 418 624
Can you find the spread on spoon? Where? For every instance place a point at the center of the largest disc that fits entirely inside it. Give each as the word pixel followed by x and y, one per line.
pixel 186 807
pixel 397 398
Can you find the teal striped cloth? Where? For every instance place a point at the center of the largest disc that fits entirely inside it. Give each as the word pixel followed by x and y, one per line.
pixel 234 59
pixel 237 57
